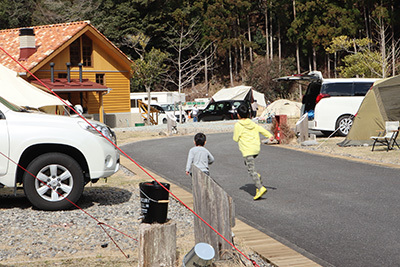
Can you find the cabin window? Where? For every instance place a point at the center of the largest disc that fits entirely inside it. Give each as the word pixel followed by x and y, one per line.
pixel 75 52
pixel 87 50
pixel 100 78
pixel 152 99
pixel 80 51
pixel 134 103
pixel 62 75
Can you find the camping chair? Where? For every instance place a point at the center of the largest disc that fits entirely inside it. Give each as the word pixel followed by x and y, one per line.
pixel 389 139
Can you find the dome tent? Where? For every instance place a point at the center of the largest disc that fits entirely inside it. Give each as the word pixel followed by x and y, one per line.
pixel 283 107
pixel 381 103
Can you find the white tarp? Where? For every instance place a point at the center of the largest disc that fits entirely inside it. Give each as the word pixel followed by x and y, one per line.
pixel 260 98
pixel 238 93
pixel 20 92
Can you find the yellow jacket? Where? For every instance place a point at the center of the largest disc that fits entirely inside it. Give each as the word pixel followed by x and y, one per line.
pixel 247 134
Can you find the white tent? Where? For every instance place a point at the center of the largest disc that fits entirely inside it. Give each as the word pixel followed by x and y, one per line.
pixel 20 92
pixel 283 107
pixel 239 93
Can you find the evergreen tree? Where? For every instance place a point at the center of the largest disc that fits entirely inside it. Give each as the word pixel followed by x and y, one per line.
pixel 16 13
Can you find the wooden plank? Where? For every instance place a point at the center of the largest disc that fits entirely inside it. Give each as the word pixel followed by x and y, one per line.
pixel 214 206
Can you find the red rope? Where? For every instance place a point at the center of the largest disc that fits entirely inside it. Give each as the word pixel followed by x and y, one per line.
pixel 112 239
pixel 120 150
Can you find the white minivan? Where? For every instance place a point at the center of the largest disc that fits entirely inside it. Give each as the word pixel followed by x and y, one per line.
pixel 331 104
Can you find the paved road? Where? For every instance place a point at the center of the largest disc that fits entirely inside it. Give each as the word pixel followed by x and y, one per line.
pixel 336 212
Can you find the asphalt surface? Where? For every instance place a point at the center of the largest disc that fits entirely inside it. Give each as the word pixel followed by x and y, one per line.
pixel 335 212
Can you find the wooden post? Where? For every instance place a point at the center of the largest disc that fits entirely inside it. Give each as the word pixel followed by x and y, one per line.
pixel 216 207
pixel 302 128
pixel 157 244
pixel 101 108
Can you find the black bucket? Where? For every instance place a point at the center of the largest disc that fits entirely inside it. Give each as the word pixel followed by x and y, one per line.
pixel 154 202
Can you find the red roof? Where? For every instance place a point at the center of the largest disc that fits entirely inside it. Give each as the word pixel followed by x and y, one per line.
pixel 48 39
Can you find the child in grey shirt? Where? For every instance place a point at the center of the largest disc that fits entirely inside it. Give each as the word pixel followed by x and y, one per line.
pixel 199 155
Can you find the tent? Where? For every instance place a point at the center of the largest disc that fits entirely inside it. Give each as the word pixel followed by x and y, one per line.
pixel 20 92
pixel 381 103
pixel 283 107
pixel 241 92
pixel 260 98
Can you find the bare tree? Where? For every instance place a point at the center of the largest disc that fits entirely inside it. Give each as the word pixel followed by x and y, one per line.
pixel 297 52
pixel 249 36
pixel 188 64
pixel 388 54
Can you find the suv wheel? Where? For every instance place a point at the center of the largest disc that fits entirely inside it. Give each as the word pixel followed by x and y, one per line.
pixel 344 124
pixel 61 179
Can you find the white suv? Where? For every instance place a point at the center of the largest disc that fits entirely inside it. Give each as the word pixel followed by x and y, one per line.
pixel 63 153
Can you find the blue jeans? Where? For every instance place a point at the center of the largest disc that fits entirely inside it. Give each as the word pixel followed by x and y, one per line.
pixel 195 119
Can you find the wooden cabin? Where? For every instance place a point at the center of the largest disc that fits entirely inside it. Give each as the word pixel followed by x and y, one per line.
pixel 75 61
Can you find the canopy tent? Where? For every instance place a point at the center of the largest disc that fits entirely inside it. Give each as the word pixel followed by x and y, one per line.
pixel 381 104
pixel 20 92
pixel 283 107
pixel 241 92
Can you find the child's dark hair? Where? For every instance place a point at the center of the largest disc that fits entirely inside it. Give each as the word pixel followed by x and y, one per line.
pixel 200 139
pixel 243 111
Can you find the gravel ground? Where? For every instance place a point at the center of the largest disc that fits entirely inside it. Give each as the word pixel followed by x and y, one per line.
pixel 32 237
pixel 29 234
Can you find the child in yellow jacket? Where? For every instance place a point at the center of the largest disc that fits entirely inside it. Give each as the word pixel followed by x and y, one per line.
pixel 247 134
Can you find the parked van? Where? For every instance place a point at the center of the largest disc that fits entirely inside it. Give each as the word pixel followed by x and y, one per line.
pixel 331 104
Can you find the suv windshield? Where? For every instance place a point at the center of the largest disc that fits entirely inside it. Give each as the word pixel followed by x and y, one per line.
pixel 236 104
pixel 11 106
pixel 159 108
pixel 211 107
pixel 170 107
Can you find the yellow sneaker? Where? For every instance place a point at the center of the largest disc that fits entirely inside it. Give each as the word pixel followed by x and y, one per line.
pixel 260 192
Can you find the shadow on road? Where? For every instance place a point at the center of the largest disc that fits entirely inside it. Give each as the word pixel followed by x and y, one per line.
pixel 251 188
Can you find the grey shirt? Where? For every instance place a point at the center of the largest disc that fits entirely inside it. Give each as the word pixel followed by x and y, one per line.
pixel 200 157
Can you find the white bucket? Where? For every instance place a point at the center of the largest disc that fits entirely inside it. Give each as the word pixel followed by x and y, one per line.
pixel 200 255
